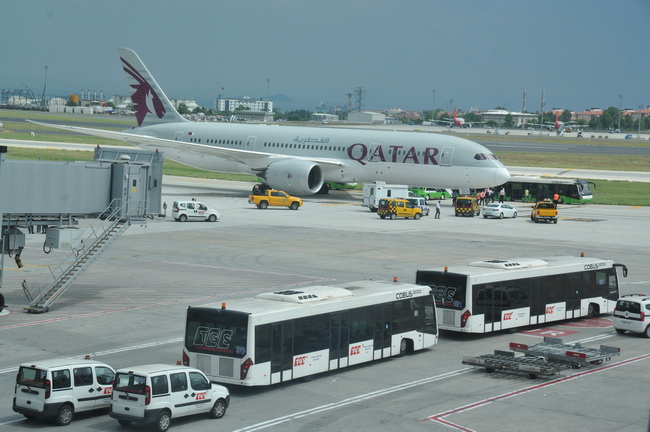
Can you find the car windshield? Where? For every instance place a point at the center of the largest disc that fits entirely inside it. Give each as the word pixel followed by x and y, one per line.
pixel 492 205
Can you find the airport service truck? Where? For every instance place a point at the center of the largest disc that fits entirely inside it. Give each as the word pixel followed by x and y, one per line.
pixel 274 197
pixel 373 192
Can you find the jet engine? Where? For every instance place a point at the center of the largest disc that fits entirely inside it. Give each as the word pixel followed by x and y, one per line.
pixel 294 176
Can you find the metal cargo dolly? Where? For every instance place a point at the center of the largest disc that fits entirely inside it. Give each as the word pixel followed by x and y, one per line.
pixel 543 359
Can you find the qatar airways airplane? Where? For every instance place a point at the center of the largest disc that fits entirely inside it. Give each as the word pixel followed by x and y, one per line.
pixel 299 160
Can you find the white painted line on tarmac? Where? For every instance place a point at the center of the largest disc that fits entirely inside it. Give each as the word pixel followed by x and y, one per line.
pixel 111 351
pixel 350 401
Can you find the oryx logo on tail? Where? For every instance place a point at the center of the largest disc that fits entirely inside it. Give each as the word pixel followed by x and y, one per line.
pixel 144 98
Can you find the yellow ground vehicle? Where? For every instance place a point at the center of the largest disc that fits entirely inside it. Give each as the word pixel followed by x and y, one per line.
pixel 274 197
pixel 544 211
pixel 394 208
pixel 467 206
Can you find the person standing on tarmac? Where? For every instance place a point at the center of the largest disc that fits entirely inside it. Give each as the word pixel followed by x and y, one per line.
pixel 438 210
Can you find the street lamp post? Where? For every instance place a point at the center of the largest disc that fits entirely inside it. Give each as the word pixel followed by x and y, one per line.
pixel 620 104
pixel 433 108
pixel 638 134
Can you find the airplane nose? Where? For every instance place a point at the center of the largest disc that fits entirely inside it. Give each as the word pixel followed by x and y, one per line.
pixel 501 176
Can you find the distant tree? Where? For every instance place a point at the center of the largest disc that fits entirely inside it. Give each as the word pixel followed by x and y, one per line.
pixel 183 109
pixel 298 115
pixel 509 121
pixel 241 108
pixel 472 117
pixel 70 102
pixel 501 108
pixel 565 116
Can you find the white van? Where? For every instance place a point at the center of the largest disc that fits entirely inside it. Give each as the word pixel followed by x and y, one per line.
pixel 183 211
pixel 59 388
pixel 156 393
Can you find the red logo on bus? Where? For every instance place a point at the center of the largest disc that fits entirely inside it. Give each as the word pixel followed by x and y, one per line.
pixel 507 316
pixel 300 361
pixel 355 350
pixel 549 309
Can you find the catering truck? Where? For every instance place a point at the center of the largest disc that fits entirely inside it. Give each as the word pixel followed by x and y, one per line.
pixel 375 191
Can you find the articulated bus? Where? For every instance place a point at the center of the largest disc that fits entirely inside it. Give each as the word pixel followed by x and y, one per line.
pixel 279 336
pixel 540 188
pixel 487 296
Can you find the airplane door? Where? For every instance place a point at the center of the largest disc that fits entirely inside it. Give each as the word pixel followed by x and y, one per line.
pixel 446 156
pixel 178 136
pixel 250 142
pixel 339 340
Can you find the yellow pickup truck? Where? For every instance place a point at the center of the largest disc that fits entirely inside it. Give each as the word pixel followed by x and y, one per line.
pixel 544 211
pixel 274 197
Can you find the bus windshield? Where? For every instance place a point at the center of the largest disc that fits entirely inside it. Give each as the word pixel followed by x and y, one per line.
pixel 449 289
pixel 216 331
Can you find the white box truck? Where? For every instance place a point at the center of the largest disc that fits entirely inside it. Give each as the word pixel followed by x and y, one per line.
pixel 373 192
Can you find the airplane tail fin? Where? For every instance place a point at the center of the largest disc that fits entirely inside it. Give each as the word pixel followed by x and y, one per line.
pixel 455 114
pixel 150 104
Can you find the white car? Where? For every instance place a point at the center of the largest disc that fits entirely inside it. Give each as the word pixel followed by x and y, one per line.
pixel 631 314
pixel 499 210
pixel 183 211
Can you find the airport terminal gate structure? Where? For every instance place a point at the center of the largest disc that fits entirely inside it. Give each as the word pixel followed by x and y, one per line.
pixel 119 187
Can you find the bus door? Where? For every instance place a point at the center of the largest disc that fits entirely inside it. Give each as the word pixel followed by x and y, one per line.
pixel 282 352
pixel 383 331
pixel 339 340
pixel 488 301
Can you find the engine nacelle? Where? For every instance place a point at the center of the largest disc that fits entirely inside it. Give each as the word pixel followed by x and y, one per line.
pixel 295 176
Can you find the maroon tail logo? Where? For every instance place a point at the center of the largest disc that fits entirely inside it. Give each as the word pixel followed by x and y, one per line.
pixel 144 98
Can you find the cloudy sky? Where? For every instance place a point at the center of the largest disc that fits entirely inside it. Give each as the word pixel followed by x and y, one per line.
pixel 480 53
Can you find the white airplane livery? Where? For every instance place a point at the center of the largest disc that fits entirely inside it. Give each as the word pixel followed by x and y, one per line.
pixel 299 160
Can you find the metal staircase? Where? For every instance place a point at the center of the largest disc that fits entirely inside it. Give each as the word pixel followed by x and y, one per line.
pixel 92 247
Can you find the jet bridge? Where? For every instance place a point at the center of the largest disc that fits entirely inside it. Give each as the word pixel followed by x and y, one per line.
pixel 120 186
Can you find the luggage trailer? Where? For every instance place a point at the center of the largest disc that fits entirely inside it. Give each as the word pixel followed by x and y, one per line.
pixel 543 359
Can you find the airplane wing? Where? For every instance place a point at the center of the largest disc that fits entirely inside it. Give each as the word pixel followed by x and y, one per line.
pixel 257 161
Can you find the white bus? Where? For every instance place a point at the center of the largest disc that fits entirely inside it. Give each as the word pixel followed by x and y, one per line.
pixel 486 296
pixel 279 336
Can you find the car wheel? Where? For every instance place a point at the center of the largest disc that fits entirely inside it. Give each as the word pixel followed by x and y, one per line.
pixel 393 216
pixel 417 216
pixel 500 215
pixel 182 218
pixel 124 422
pixel 555 221
pixel 478 213
pixel 163 422
pixel 382 216
pixel 64 415
pixel 218 409
pixel 484 216
pixel 646 333
pixel 263 205
pixel 620 331
pixel 212 218
pixel 514 215
pixel 294 206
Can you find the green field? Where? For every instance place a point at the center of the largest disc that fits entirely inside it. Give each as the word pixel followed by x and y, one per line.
pixel 606 192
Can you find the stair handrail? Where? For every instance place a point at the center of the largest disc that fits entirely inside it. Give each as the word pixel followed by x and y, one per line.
pixel 109 218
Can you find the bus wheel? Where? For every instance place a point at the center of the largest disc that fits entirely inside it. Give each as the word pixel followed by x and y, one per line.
pixel 404 347
pixel 489 370
pixel 592 310
pixel 532 376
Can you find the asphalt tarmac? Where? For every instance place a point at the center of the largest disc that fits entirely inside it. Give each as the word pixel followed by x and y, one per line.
pixel 128 309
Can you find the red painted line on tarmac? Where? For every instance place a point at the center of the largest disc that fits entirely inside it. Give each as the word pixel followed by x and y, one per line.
pixel 439 418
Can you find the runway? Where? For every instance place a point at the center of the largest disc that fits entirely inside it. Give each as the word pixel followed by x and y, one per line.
pixel 128 309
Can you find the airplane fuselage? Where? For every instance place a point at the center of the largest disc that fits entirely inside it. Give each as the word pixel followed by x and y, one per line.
pixel 356 155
